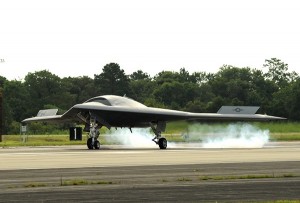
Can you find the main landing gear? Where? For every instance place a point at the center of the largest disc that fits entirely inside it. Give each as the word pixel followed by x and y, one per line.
pixel 161 142
pixel 158 139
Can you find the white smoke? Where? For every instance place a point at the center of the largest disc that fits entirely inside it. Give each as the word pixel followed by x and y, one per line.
pixel 230 136
pixel 139 138
pixel 198 136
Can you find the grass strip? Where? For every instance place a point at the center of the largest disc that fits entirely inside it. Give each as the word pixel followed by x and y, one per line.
pixel 85 182
pixel 245 177
pixel 34 184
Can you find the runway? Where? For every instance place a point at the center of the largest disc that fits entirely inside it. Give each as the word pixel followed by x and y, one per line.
pixel 79 156
pixel 186 173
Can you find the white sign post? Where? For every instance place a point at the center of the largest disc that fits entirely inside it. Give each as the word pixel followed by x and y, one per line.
pixel 23 132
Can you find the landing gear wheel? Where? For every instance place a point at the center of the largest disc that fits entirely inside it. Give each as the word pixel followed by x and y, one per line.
pixel 97 144
pixel 89 143
pixel 162 143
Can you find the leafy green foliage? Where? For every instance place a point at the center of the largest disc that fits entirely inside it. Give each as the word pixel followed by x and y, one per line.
pixel 277 91
pixel 112 80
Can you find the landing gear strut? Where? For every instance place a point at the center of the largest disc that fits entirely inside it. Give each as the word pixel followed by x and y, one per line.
pixel 92 142
pixel 158 139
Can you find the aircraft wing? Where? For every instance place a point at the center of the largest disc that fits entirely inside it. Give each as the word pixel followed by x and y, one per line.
pixel 123 116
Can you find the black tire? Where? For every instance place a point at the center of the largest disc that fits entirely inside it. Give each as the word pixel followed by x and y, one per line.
pixel 162 143
pixel 97 144
pixel 89 143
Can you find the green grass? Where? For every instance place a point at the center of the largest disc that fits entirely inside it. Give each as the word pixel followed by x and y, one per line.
pixel 263 176
pixel 85 182
pixel 183 179
pixel 63 183
pixel 38 140
pixel 279 127
pixel 175 127
pixel 75 182
pixel 28 185
pixel 103 182
pixel 285 136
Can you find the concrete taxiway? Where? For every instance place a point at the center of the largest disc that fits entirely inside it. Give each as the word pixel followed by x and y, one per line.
pixel 117 173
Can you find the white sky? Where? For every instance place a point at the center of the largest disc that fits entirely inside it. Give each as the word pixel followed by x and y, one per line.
pixel 78 37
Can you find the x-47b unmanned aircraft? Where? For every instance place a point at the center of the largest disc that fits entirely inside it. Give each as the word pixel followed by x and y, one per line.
pixel 116 111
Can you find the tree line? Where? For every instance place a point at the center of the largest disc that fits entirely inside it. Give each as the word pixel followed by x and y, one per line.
pixel 274 89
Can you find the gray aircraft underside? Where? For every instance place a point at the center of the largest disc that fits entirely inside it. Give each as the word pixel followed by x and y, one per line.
pixel 116 111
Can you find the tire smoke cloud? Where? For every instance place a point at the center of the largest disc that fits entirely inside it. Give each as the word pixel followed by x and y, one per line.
pixel 139 138
pixel 237 135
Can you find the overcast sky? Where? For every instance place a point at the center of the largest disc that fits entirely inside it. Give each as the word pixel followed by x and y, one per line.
pixel 78 37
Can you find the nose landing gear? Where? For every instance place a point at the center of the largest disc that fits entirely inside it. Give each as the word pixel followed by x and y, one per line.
pixel 92 142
